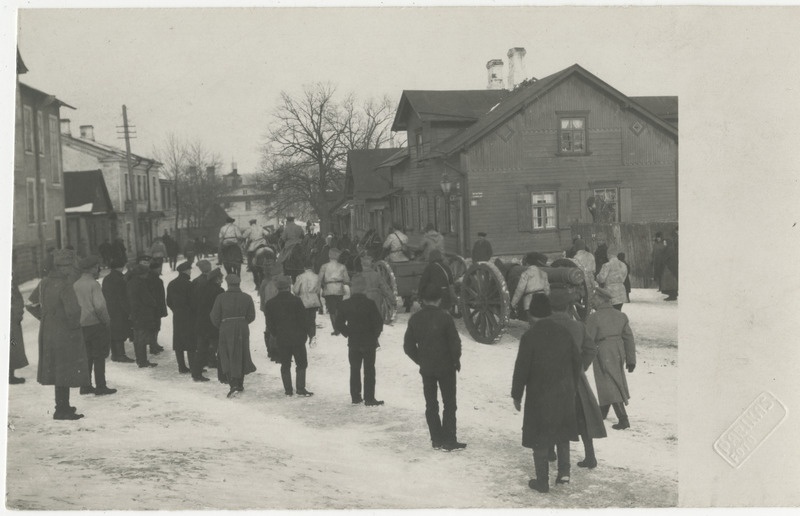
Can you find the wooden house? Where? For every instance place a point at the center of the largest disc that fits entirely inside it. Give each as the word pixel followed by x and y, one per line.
pixel 366 191
pixel 91 219
pixel 525 165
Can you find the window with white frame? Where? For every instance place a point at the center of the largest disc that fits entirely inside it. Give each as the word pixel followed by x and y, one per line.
pixel 543 205
pixel 31 195
pixel 606 200
pixel 40 131
pixel 572 135
pixel 27 120
pixel 54 149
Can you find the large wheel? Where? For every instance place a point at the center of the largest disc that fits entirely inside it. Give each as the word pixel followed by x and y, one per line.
pixel 389 310
pixel 458 266
pixel 484 302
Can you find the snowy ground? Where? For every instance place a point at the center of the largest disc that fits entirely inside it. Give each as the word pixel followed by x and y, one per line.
pixel 165 442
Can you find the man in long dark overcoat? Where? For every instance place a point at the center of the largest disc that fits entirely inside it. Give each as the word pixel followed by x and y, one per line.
pixel 115 291
pixel 587 411
pixel 361 322
pixel 62 355
pixel 432 342
pixel 183 320
pixel 143 313
pixel 437 274
pixel 232 313
pixel 156 285
pixel 204 294
pixel 285 319
pixel 546 369
pixel 201 355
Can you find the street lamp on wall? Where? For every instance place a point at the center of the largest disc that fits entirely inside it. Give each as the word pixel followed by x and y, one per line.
pixel 446 184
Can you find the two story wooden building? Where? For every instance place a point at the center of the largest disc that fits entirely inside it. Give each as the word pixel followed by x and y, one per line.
pixel 525 165
pixel 367 188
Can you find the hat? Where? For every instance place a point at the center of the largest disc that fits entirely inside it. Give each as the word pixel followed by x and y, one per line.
pixel 63 257
pixel 233 279
pixel 289 218
pixel 216 273
pixel 140 269
pixel 89 263
pixel 253 221
pixel 283 282
pixel 603 294
pixel 131 265
pixel 143 258
pixel 560 299
pixel 358 285
pixel 535 258
pixel 431 293
pixel 334 253
pixel 540 306
pixel 229 219
pixel 204 266
pixel 185 266
pixel 481 233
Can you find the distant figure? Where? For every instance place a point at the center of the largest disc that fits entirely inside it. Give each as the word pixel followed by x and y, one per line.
pixel 482 249
pixel 158 253
pixel 203 341
pixel 396 244
pixel 306 287
pixel 627 282
pixel 172 249
pixel 232 313
pixel 159 293
pixel 333 278
pixel 612 277
pixel 207 333
pixel 189 250
pixel 432 342
pixel 115 291
pixel 669 276
pixel 601 255
pixel 263 258
pixel 118 251
pixel 585 260
pixel 180 302
pixel 658 258
pixel 230 254
pixel 431 240
pixel 291 236
pixel 144 313
pixel 377 289
pixel 105 252
pixel 616 351
pixel 254 237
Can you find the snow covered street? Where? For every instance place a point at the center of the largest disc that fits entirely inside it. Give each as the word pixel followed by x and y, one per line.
pixel 166 442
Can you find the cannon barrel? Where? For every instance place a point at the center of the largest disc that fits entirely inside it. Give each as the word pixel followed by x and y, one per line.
pixel 564 275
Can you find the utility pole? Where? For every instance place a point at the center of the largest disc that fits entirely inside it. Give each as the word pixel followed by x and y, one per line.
pixel 131 183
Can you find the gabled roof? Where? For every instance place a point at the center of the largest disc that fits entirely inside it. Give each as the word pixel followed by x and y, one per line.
pixel 85 192
pixel 663 107
pixel 110 150
pixel 365 180
pixel 445 105
pixel 530 93
pixel 21 68
pixel 43 94
pixel 396 158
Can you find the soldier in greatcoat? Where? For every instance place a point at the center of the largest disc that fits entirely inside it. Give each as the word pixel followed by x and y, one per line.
pixel 361 322
pixel 207 333
pixel 179 301
pixel 17 358
pixel 616 351
pixel 587 411
pixel 285 318
pixel 546 371
pixel 115 291
pixel 198 356
pixel 143 313
pixel 266 291
pixel 232 313
pixel 62 355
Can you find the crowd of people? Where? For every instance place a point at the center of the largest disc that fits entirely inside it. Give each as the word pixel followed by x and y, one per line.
pixel 82 321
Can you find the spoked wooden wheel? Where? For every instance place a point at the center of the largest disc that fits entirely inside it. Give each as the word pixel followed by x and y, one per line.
pixel 389 306
pixel 458 266
pixel 484 302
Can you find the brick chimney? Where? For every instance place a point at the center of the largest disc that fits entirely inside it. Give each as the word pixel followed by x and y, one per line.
pixel 87 132
pixel 516 66
pixel 494 70
pixel 65 128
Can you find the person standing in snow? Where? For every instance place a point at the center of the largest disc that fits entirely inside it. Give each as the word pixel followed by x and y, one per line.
pixel 114 290
pixel 360 321
pixel 333 278
pixel 179 301
pixel 612 278
pixel 207 334
pixel 432 342
pixel 143 313
pixel 306 287
pixel 616 351
pixel 156 285
pixel 437 274
pixel 202 343
pixel 546 371
pixel 17 358
pixel 232 313
pixel 285 318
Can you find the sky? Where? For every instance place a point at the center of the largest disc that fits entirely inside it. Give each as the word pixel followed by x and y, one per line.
pixel 215 75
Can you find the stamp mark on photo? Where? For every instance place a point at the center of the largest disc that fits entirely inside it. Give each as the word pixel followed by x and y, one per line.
pixel 750 429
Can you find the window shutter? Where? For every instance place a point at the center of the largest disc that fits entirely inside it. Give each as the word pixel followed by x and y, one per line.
pixel 563 207
pixel 524 211
pixel 625 212
pixel 586 216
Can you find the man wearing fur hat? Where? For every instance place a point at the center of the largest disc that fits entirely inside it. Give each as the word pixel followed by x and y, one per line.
pixel 62 354
pixel 232 313
pixel 432 342
pixel 332 279
pixel 616 352
pixel 95 322
pixel 546 371
pixel 144 313
pixel 115 293
pixel 360 321
pixel 285 319
pixel 179 301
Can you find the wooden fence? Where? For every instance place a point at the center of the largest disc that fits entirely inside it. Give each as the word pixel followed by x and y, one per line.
pixel 633 239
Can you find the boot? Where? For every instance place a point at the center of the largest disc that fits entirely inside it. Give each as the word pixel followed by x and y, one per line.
pixel 63 410
pixel 13 380
pixel 181 363
pixel 542 481
pixel 622 416
pixel 286 377
pixel 590 461
pixel 301 383
pixel 100 378
pixel 118 352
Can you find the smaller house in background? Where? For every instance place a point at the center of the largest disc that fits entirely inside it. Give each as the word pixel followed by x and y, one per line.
pixel 91 219
pixel 244 200
pixel 368 185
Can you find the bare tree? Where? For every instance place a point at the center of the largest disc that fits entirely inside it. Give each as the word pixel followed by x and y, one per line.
pixel 199 187
pixel 173 154
pixel 304 156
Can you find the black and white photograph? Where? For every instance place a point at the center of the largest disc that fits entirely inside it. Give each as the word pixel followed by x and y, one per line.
pixel 365 257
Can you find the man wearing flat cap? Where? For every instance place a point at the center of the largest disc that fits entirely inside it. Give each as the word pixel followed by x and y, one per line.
pixel 285 319
pixel 115 293
pixel 232 313
pixel 482 249
pixel 62 354
pixel 95 322
pixel 179 301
